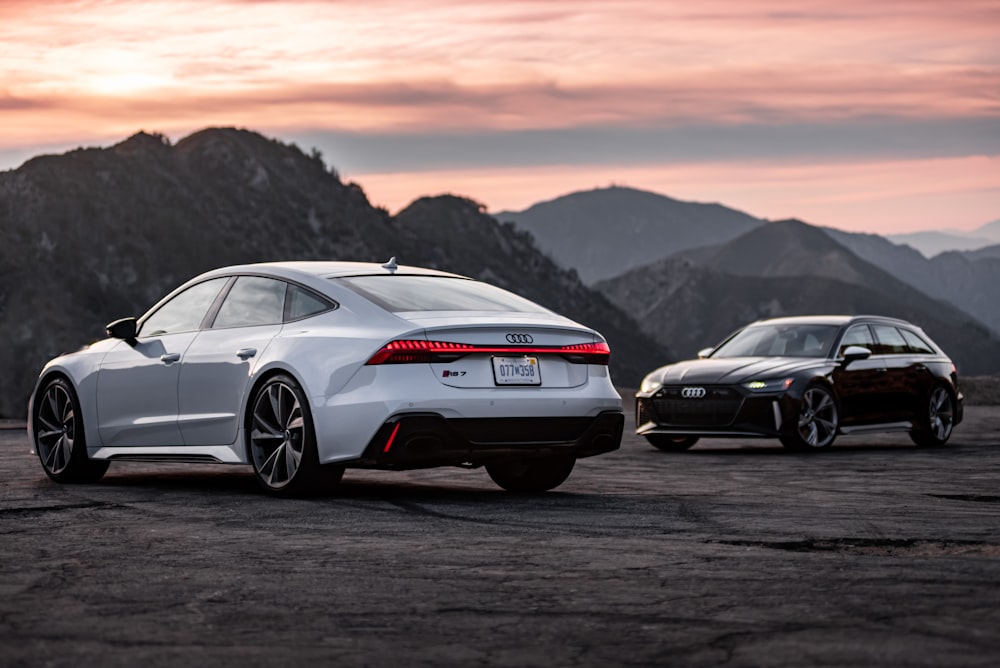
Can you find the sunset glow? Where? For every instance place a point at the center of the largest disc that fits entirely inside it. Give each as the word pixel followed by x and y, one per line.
pixel 869 116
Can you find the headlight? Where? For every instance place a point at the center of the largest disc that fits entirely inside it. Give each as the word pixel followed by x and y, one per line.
pixel 650 384
pixel 773 385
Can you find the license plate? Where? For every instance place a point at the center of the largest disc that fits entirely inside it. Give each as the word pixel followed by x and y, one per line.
pixel 516 371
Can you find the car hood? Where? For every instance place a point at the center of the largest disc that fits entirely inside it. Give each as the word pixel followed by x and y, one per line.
pixel 732 369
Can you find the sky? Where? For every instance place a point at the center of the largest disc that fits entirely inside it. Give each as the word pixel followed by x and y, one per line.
pixel 867 116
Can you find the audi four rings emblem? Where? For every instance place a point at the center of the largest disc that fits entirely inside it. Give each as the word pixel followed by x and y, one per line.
pixel 519 338
pixel 693 392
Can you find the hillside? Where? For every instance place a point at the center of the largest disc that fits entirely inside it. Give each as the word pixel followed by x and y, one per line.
pixel 695 299
pixel 967 280
pixel 604 232
pixel 97 234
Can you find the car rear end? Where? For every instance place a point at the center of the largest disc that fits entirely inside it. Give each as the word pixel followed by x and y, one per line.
pixel 497 378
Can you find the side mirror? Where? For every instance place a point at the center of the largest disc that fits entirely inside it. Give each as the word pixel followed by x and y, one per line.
pixel 855 353
pixel 124 329
pixel 705 352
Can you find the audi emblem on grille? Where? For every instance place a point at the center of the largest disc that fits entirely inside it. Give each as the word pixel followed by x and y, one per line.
pixel 519 338
pixel 693 392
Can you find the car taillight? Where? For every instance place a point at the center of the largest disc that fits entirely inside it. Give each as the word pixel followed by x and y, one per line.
pixel 410 351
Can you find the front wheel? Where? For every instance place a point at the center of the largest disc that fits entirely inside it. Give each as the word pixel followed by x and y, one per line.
pixel 671 443
pixel 531 475
pixel 817 421
pixel 282 442
pixel 59 437
pixel 938 419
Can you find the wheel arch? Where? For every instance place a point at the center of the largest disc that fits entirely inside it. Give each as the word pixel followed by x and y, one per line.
pixel 258 381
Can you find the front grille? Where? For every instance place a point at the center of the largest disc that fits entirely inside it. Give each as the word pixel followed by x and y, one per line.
pixel 718 408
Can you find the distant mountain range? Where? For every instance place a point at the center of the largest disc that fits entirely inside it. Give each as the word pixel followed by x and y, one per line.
pixel 693 299
pixel 98 234
pixel 611 228
pixel 605 232
pixel 935 242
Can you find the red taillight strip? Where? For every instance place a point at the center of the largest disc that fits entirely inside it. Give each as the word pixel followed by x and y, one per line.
pixel 410 351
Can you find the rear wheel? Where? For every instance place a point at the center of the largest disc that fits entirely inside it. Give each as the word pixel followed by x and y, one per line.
pixel 671 443
pixel 282 441
pixel 531 475
pixel 817 422
pixel 938 419
pixel 59 437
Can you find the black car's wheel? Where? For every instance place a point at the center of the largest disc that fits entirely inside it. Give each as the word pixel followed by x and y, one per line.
pixel 531 475
pixel 817 422
pixel 59 437
pixel 282 441
pixel 669 443
pixel 937 420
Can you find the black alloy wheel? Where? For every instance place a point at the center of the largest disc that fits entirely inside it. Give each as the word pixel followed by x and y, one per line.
pixel 282 441
pixel 937 420
pixel 817 422
pixel 59 437
pixel 669 443
pixel 531 475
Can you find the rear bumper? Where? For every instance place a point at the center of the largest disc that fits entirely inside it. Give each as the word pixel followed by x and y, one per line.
pixel 423 440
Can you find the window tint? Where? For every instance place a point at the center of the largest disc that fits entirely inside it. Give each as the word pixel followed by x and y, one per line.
pixel 184 312
pixel 302 303
pixel 916 344
pixel 890 341
pixel 253 300
pixel 779 341
pixel 858 335
pixel 437 293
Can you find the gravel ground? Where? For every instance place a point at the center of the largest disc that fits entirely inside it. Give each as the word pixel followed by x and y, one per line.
pixel 735 553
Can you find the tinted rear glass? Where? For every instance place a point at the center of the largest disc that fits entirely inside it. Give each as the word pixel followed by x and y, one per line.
pixel 400 293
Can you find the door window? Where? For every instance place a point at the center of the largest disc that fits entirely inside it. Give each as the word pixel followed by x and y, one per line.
pixel 858 335
pixel 253 300
pixel 890 341
pixel 184 312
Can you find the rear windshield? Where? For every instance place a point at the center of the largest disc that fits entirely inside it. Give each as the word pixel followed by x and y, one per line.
pixel 399 293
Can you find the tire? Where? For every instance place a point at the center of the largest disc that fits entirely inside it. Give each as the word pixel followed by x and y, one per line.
pixel 59 437
pixel 281 441
pixel 671 443
pixel 937 419
pixel 817 422
pixel 531 475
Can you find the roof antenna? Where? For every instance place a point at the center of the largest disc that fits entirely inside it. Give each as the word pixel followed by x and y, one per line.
pixel 391 265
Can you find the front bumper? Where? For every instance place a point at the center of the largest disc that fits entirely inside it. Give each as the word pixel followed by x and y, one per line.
pixel 423 440
pixel 725 411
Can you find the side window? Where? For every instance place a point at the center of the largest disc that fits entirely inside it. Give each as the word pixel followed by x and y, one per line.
pixel 302 303
pixel 890 341
pixel 916 344
pixel 858 335
pixel 253 300
pixel 185 311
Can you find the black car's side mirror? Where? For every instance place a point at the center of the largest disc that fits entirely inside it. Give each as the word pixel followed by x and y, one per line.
pixel 124 329
pixel 855 353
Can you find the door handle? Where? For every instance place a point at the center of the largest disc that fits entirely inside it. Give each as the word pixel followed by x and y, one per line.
pixel 170 358
pixel 246 353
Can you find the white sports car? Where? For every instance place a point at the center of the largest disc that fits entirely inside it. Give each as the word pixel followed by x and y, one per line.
pixel 304 368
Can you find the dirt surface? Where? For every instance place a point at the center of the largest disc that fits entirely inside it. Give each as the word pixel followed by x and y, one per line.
pixel 735 553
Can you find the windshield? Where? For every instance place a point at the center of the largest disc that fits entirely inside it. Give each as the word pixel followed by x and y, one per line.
pixel 780 341
pixel 400 293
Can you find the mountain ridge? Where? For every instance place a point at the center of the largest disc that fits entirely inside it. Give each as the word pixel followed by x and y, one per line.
pixel 97 234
